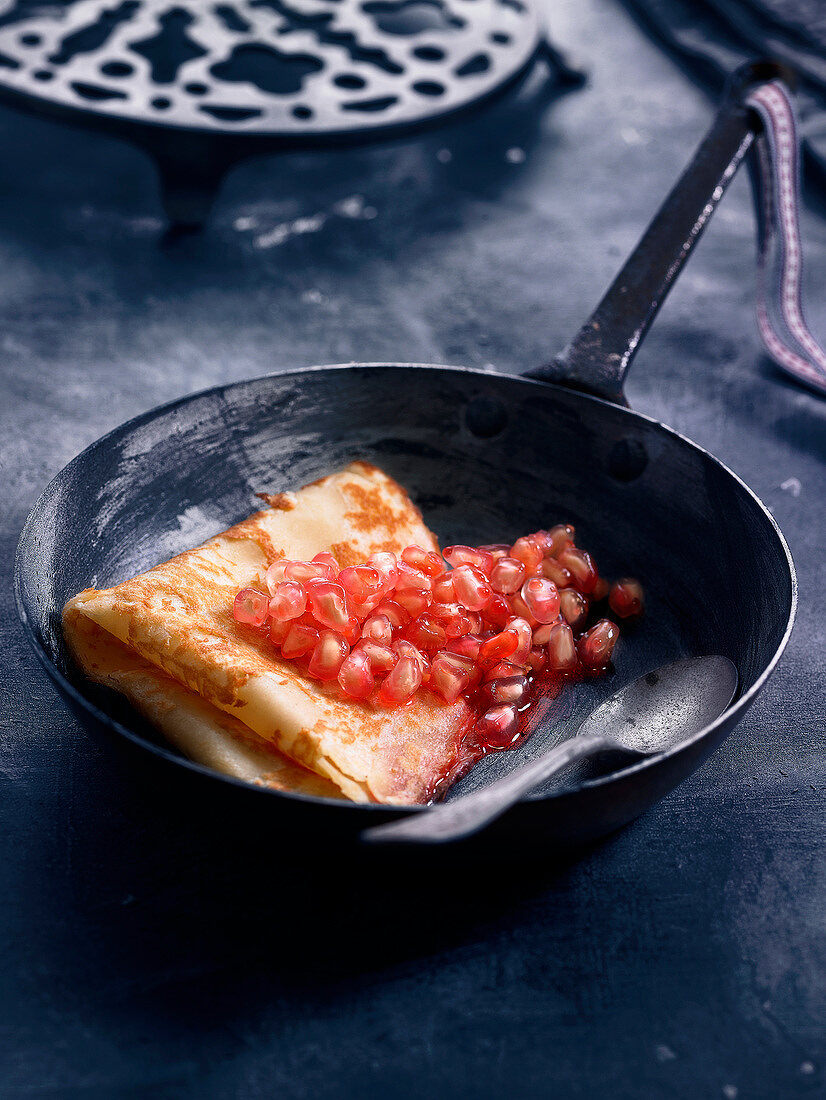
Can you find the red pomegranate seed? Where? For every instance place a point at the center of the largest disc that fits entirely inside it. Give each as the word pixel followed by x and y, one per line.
pixel 497 728
pixel 454 618
pixel 523 629
pixel 450 676
pixel 597 644
pixel 626 598
pixel 403 648
pixel 601 589
pixel 402 682
pixel 471 587
pixel 410 578
pixel 381 657
pixel 394 612
pixel 443 591
pixel 573 607
pixel 288 601
pixel 476 556
pixel 503 670
pixel 561 648
pixel 275 574
pixel 412 600
pixel 378 628
pixel 303 571
pixel 556 573
pixel 498 648
pixel 384 562
pixel 498 549
pixel 498 611
pixel 426 561
pixel 326 558
pixel 328 603
pixel 537 659
pixel 561 536
pixel 361 583
pixel 426 633
pixel 466 646
pixel 328 655
pixel 279 631
pixel 542 633
pixel 581 566
pixel 299 640
pixel 251 607
pixel 356 675
pixel 542 598
pixel 507 689
pixel 528 552
pixel 507 575
pixel 521 609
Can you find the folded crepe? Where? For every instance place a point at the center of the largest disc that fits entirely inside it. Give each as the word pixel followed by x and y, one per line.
pixel 218 689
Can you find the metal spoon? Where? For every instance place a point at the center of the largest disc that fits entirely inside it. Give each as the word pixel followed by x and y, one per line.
pixel 648 716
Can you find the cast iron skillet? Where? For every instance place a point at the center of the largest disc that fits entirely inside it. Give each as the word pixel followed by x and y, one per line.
pixel 487 457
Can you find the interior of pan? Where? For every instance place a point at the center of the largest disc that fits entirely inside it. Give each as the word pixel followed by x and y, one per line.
pixel 486 457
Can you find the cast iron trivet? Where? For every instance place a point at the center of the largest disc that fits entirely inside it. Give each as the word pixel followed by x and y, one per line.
pixel 197 83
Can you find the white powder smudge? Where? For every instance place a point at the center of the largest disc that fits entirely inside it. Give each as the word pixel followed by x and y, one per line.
pixel 730 1092
pixel 444 156
pixel 631 136
pixel 515 155
pixel 295 228
pixel 791 485
pixel 807 1067
pixel 352 207
pixel 312 297
pixel 243 224
pixel 664 1054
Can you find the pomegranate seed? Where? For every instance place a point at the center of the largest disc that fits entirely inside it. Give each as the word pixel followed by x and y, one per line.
pixel 424 560
pixel 581 566
pixel 275 574
pixel 573 607
pixel 561 536
pixel 476 556
pixel 443 591
pixel 402 682
pixel 329 605
pixel 381 657
pixel 251 607
pixel 497 728
pixel 498 611
pixel 561 648
pixel 475 622
pixel 597 644
pixel 412 600
pixel 626 598
pixel 466 646
pixel 472 589
pixel 410 578
pixel 279 631
pixel 361 583
pixel 523 629
pixel 537 659
pixel 328 655
pixel 299 640
pixel 503 670
pixel 378 628
pixel 356 675
pixel 542 633
pixel 454 618
pixel 426 633
pixel 450 676
pixel 520 608
pixel 508 689
pixel 556 573
pixel 528 552
pixel 404 648
pixel 498 647
pixel 542 598
pixel 498 549
pixel 394 612
pixel 507 575
pixel 601 589
pixel 288 601
pixel 352 631
pixel 384 562
pixel 326 558
pixel 303 571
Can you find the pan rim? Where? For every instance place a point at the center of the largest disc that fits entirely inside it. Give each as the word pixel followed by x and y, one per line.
pixel 737 709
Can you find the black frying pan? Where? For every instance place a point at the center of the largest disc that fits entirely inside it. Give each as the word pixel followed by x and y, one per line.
pixel 487 457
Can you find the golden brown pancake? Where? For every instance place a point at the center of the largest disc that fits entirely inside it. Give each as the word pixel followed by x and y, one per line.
pixel 196 663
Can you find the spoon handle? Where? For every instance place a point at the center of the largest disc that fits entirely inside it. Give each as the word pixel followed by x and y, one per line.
pixel 466 815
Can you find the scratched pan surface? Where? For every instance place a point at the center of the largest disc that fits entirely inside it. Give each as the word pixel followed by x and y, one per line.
pixel 487 457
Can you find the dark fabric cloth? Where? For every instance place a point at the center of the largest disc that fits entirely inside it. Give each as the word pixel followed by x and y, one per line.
pixel 712 37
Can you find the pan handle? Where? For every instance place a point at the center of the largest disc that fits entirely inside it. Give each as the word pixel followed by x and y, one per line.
pixel 598 357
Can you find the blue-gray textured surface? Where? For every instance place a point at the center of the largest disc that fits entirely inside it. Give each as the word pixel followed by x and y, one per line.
pixel 139 955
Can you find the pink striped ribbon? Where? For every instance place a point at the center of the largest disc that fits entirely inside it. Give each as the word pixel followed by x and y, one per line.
pixel 780 316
